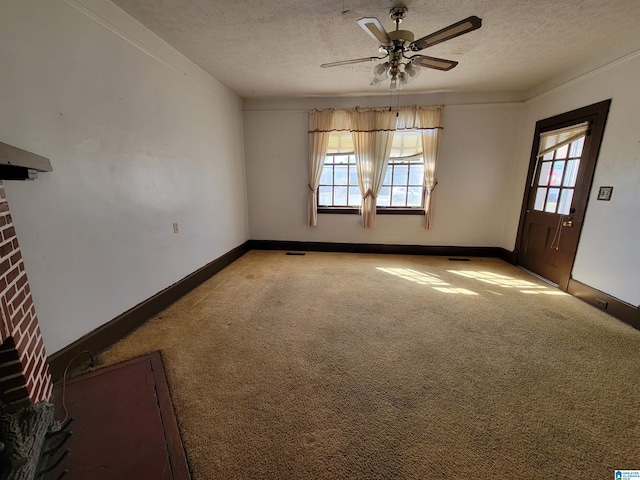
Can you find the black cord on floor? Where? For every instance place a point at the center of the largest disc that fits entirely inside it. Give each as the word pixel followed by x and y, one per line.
pixel 64 380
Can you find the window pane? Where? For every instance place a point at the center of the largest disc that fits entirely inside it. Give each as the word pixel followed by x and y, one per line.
pixel 399 197
pixel 556 174
pixel 562 152
pixel 340 177
pixel 416 174
pixel 572 173
pixel 548 156
pixel 353 175
pixel 325 197
pixel 414 197
pixel 384 197
pixel 541 194
pixel 387 176
pixel 552 200
pixel 545 171
pixel 340 196
pixel 341 159
pixel 565 201
pixel 354 197
pixel 327 175
pixel 400 175
pixel 576 148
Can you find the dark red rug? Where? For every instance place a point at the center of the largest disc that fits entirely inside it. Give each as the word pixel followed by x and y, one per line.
pixel 123 426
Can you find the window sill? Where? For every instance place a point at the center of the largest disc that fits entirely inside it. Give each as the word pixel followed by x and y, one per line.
pixel 379 211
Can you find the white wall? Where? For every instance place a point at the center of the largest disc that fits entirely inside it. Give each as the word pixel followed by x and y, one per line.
pixel 138 137
pixel 608 258
pixel 476 153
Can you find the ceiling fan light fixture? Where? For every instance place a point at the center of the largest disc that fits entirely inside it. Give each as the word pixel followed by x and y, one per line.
pixel 380 71
pixel 411 71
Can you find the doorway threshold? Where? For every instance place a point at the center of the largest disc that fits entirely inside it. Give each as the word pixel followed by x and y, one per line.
pixel 540 277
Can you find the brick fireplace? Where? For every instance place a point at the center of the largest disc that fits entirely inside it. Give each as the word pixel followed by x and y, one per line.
pixel 24 372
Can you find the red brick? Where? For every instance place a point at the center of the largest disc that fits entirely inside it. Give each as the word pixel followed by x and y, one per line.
pixel 21 281
pixel 9 219
pixel 3 284
pixel 11 292
pixel 16 257
pixel 14 242
pixel 12 275
pixel 3 220
pixel 4 207
pixel 8 233
pixel 21 266
pixel 18 300
pixel 6 249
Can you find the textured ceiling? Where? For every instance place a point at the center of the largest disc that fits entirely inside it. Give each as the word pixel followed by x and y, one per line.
pixel 269 48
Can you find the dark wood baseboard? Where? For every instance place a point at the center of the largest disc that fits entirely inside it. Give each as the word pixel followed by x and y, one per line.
pixel 446 251
pixel 116 329
pixel 614 307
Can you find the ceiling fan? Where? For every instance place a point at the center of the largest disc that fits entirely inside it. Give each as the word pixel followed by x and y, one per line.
pixel 396 44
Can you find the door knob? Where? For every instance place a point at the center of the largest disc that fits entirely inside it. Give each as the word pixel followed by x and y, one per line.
pixel 567 223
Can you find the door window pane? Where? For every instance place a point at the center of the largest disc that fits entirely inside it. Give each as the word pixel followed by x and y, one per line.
pixel 545 171
pixel 562 152
pixel 571 174
pixel 556 173
pixel 565 201
pixel 541 195
pixel 576 148
pixel 552 200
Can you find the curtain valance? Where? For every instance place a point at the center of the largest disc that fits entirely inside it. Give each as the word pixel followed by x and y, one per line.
pixel 415 117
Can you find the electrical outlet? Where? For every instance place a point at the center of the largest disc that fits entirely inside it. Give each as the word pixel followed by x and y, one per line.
pixel 175 227
pixel 601 303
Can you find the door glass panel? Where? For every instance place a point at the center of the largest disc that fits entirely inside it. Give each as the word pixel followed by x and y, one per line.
pixel 576 148
pixel 562 152
pixel 552 200
pixel 565 201
pixel 571 174
pixel 541 194
pixel 556 174
pixel 544 174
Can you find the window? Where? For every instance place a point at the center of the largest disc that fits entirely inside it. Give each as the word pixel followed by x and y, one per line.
pixel 403 185
pixel 557 180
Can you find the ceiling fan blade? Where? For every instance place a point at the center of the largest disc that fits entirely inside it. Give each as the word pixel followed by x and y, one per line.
pixel 432 62
pixel 349 62
pixel 374 28
pixel 463 26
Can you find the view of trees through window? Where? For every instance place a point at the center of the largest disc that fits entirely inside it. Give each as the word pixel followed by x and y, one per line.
pixel 403 185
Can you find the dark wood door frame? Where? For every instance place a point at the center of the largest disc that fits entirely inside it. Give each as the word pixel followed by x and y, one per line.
pixel 598 113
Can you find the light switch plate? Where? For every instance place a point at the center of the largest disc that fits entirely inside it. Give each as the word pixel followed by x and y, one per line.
pixel 605 193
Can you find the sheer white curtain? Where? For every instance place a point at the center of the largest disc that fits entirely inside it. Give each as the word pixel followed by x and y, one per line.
pixel 429 121
pixel 320 124
pixel 372 131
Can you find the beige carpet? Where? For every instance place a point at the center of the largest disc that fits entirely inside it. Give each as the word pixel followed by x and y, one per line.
pixel 340 366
